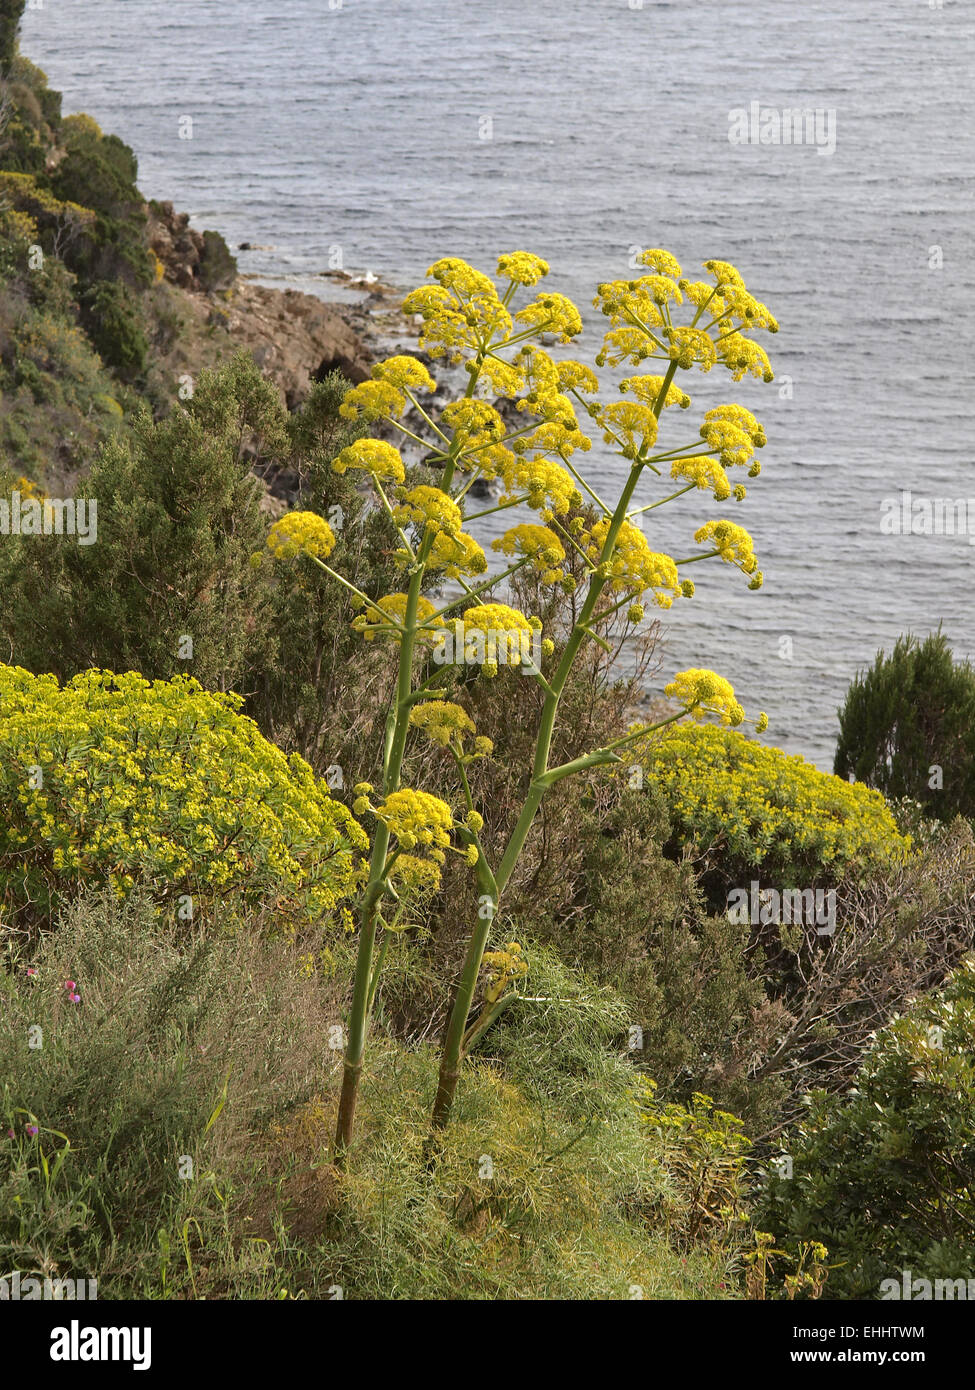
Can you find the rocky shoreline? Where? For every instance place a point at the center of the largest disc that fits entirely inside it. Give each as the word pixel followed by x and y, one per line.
pixel 294 337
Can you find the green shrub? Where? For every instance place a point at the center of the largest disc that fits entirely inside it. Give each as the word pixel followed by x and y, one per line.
pixel 635 920
pixel 751 809
pixel 207 1047
pixel 10 17
pixel 218 268
pixel 99 172
pixel 170 586
pixel 908 728
pixel 704 1152
pixel 182 1045
pixel 114 323
pixel 313 656
pixel 181 554
pixel 565 1040
pixel 884 1176
pixel 111 779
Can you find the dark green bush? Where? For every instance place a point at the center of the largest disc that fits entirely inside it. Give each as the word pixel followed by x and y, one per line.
pixel 169 587
pixel 908 728
pixel 314 657
pixel 218 268
pixel 884 1176
pixel 115 326
pixel 11 14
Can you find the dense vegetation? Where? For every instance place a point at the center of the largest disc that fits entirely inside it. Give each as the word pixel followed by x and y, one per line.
pixel 111 779
pixel 183 846
pixel 908 728
pixel 84 317
pixel 885 1174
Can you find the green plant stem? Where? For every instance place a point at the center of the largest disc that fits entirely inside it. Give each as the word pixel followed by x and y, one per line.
pixel 363 988
pixel 366 979
pixel 453 1045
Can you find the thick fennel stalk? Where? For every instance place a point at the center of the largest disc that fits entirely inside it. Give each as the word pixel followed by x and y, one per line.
pixel 542 778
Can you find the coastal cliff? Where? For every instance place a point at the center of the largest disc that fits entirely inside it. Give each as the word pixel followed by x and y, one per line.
pixel 109 302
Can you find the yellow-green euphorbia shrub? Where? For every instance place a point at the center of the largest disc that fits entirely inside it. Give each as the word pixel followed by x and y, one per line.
pixel 113 779
pixel 761 808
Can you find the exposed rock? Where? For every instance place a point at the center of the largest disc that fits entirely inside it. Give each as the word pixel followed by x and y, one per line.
pixel 176 244
pixel 294 338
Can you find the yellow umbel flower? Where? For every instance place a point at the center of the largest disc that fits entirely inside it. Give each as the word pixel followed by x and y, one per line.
pixel 552 313
pixel 299 532
pixel 703 472
pixel 733 444
pixel 744 419
pixel 703 296
pixel 522 267
pixel 390 612
pixel 538 544
pixel 550 488
pixel 559 435
pixel 741 355
pixel 492 634
pixel 543 398
pixel 455 274
pixel 633 567
pixel 731 542
pixel 461 314
pixel 576 376
pixel 703 693
pixel 689 345
pixel 418 819
pixel 372 400
pixel 456 555
pixel 417 876
pixel 660 261
pixel 501 377
pixel 635 302
pixel 442 721
pixel 496 618
pixel 373 456
pixel 725 274
pixel 631 425
pixel 475 425
pixel 750 312
pixel 503 967
pixel 625 345
pixel 648 388
pixel 428 507
pixel 405 373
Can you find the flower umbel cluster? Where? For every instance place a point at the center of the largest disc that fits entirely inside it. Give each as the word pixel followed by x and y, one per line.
pixel 299 532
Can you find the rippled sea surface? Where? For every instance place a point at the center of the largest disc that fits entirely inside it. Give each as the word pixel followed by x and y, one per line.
pixel 362 127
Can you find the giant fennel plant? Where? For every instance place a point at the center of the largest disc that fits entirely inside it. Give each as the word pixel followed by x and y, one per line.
pixel 658 318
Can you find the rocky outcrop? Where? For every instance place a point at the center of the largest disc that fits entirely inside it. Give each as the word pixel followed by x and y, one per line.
pixel 294 338
pixel 175 244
